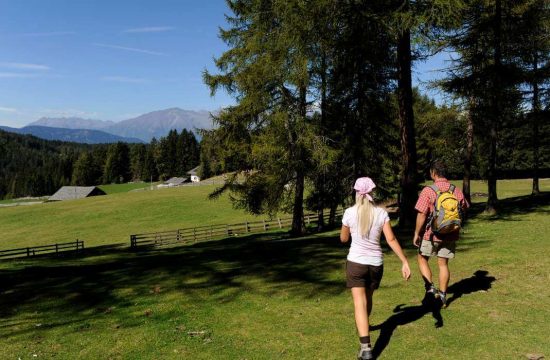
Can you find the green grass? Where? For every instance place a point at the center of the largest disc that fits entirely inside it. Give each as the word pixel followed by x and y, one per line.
pixel 109 219
pixel 271 297
pixel 118 188
pixel 268 296
pixel 23 200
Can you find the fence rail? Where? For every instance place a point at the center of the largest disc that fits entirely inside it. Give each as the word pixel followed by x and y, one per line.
pixel 211 232
pixel 44 249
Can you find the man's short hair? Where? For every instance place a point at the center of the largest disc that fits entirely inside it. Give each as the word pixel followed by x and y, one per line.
pixel 439 168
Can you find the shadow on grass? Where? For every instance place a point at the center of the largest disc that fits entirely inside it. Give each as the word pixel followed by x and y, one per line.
pixel 478 282
pixel 519 205
pixel 81 288
pixel 405 315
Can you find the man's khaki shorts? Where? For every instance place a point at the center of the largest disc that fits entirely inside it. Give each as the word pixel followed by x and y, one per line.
pixel 442 249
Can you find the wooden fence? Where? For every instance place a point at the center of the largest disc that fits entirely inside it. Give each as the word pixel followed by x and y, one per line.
pixel 206 233
pixel 76 245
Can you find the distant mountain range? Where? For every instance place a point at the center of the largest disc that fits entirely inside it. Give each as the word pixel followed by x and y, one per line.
pixel 72 123
pixel 154 124
pixel 86 136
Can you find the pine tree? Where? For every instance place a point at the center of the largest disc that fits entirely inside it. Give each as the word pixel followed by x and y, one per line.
pixel 487 60
pixel 266 69
pixel 117 164
pixel 83 171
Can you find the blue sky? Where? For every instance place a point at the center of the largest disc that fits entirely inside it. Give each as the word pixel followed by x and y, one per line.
pixel 110 60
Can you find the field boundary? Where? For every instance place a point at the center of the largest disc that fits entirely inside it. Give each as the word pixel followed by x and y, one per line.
pixel 211 232
pixel 57 248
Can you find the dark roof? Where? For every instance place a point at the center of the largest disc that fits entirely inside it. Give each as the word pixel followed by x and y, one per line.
pixel 76 192
pixel 194 171
pixel 176 180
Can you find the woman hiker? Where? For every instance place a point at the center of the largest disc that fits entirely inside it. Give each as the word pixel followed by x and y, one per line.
pixel 365 222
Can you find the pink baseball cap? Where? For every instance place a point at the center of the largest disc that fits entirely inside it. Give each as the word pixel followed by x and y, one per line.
pixel 363 186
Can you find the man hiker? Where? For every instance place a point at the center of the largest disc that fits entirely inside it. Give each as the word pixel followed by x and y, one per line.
pixel 440 210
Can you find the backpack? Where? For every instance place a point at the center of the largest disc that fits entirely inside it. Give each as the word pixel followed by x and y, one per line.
pixel 446 217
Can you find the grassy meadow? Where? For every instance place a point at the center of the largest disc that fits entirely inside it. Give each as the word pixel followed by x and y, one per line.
pixel 271 297
pixel 109 219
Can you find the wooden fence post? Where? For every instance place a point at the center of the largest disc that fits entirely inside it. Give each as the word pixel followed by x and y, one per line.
pixel 265 225
pixel 194 234
pixel 56 249
pixel 246 226
pixel 279 221
pixel 132 239
pixel 28 252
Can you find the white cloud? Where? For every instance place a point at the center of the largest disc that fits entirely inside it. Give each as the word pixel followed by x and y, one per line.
pixel 123 79
pixel 24 66
pixel 43 34
pixel 143 51
pixel 7 109
pixel 17 75
pixel 150 29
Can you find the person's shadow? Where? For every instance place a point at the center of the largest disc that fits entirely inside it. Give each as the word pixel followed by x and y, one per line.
pixel 407 314
pixel 479 282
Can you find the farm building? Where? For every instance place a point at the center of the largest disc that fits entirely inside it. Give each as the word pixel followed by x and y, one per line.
pixel 76 192
pixel 194 173
pixel 175 181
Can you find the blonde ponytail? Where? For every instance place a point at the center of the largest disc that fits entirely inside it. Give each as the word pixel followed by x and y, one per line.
pixel 365 214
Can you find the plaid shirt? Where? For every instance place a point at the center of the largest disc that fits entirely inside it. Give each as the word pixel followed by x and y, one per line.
pixel 425 205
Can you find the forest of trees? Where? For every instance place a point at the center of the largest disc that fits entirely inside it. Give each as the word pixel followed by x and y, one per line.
pixel 34 167
pixel 324 94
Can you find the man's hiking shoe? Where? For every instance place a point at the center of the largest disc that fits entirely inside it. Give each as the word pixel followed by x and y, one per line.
pixel 443 298
pixel 432 291
pixel 365 354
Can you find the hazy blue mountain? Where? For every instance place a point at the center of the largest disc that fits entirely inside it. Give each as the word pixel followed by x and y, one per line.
pixel 145 127
pixel 85 136
pixel 72 123
pixel 159 123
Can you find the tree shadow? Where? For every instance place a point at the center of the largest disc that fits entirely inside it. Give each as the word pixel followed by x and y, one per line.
pixel 519 205
pixel 405 315
pixel 83 286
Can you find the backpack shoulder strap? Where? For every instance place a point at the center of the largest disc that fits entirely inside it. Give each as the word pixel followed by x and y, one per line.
pixel 452 189
pixel 434 188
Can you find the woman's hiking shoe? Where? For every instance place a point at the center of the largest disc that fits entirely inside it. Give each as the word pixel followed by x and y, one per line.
pixel 365 353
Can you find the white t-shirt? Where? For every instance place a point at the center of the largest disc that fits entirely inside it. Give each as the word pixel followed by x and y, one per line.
pixel 365 250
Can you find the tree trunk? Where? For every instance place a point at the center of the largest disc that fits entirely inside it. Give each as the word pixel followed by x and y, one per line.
pixel 321 174
pixel 406 124
pixel 492 199
pixel 468 157
pixel 298 208
pixel 332 216
pixel 535 120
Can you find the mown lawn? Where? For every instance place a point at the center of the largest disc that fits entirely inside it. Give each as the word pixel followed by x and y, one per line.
pixel 271 297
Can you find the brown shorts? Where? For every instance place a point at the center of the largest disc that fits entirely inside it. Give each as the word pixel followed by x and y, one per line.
pixel 367 276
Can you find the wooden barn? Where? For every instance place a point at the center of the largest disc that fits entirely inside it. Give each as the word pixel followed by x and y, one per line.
pixel 76 192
